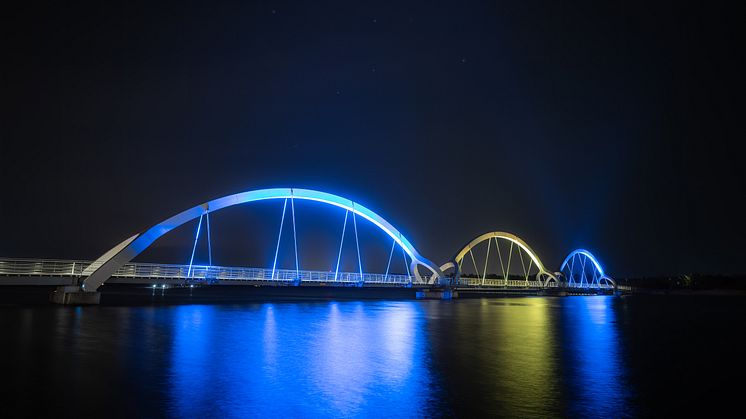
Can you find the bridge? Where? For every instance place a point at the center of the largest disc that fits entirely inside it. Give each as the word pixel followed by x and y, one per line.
pixel 510 264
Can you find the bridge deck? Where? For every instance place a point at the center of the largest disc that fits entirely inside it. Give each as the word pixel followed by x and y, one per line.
pixel 67 272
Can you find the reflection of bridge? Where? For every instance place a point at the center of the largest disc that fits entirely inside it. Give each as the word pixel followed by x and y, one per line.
pixel 516 264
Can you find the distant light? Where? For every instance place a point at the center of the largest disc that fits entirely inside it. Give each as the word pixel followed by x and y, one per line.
pixel 163 286
pixel 191 286
pixel 153 285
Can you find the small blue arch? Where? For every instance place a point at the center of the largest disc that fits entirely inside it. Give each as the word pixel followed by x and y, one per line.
pixel 596 263
pixel 587 254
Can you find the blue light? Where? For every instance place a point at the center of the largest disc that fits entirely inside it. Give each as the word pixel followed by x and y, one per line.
pixel 598 365
pixel 587 254
pixel 254 354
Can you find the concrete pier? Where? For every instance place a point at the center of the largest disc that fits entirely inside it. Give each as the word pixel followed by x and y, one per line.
pixel 73 295
pixel 437 294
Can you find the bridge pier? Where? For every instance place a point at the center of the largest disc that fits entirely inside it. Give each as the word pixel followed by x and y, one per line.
pixel 437 294
pixel 74 295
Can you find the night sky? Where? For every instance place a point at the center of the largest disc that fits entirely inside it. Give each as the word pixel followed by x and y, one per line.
pixel 612 126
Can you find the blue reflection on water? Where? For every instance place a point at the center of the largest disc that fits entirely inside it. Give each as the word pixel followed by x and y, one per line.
pixel 300 360
pixel 596 373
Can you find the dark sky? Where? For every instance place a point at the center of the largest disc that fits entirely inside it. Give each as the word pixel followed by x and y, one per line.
pixel 607 125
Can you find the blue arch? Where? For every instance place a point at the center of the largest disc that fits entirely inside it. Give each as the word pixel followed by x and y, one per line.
pixel 587 254
pixel 109 262
pixel 593 259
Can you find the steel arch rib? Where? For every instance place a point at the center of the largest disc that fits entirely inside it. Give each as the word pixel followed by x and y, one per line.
pixel 107 264
pixel 500 235
pixel 593 259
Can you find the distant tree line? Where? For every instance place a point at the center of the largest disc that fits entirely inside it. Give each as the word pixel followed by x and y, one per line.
pixel 690 281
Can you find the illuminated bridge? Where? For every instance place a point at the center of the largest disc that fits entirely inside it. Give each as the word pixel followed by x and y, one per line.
pixel 495 260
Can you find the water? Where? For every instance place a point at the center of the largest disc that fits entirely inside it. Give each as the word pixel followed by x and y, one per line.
pixel 597 356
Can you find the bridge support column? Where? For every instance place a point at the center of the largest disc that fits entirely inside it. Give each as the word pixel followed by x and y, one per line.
pixel 74 295
pixel 437 294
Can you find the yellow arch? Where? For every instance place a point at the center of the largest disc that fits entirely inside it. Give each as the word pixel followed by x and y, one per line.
pixel 456 261
pixel 500 235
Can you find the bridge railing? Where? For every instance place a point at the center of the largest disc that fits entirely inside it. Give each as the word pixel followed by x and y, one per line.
pixel 487 282
pixel 42 267
pixel 57 268
pixel 202 272
pixel 590 285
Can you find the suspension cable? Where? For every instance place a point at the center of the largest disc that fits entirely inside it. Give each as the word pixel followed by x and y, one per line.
pixel 500 256
pixel 194 248
pixel 209 239
pixel 486 259
pixel 510 256
pixel 357 244
pixel 523 264
pixel 295 237
pixel 474 262
pixel 341 242
pixel 388 265
pixel 279 236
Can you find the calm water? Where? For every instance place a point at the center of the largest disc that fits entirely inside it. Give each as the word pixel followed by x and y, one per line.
pixel 518 357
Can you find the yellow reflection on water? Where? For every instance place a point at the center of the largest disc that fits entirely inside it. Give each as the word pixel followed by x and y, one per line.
pixel 513 343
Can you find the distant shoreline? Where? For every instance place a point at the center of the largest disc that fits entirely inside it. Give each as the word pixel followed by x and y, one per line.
pixel 690 284
pixel 685 292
